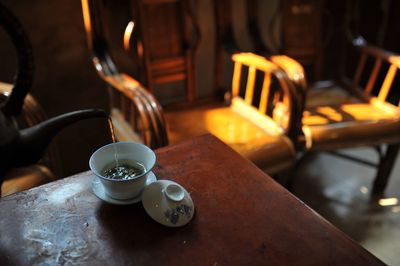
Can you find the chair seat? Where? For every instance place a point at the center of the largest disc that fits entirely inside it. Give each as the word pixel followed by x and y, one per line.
pixel 24 178
pixel 269 151
pixel 350 124
pixel 328 93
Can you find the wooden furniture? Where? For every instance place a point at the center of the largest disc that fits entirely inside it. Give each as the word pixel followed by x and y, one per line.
pixel 166 39
pixel 242 217
pixel 247 125
pixel 225 45
pixel 301 33
pixel 136 114
pixel 348 115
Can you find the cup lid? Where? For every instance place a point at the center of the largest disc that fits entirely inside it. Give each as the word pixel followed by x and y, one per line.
pixel 168 203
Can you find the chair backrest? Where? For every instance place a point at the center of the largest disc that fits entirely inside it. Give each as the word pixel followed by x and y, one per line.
pixel 168 37
pixel 262 95
pixel 225 44
pixel 380 58
pixel 138 106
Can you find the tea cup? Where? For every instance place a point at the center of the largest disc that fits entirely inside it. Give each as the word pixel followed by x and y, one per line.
pixel 122 189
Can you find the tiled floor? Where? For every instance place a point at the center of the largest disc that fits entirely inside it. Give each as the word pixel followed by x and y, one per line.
pixel 339 190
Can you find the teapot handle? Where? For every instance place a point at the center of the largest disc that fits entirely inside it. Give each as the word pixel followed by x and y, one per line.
pixel 24 75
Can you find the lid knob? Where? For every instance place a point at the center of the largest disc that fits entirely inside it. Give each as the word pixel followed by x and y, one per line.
pixel 174 192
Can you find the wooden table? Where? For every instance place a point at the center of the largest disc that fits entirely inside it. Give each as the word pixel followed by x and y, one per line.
pixel 242 218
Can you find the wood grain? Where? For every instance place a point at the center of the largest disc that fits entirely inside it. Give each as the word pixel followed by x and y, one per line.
pixel 242 218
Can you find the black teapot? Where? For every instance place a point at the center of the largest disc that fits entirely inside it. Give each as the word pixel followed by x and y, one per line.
pixel 26 146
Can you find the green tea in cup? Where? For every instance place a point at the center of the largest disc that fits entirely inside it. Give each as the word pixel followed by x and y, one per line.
pixel 123 170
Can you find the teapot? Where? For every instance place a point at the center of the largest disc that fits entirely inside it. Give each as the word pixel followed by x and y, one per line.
pixel 21 147
pixel 26 146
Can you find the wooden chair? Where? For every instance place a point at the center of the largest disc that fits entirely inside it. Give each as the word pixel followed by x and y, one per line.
pixel 166 38
pixel 246 124
pixel 338 114
pixel 135 113
pixel 226 42
pixel 344 114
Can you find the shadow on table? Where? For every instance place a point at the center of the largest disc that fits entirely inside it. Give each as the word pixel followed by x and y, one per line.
pixel 130 228
pixel 8 258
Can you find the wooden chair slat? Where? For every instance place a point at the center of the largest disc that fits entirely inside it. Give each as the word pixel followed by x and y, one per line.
pixel 360 69
pixel 250 85
pixel 387 83
pixel 374 74
pixel 236 79
pixel 265 93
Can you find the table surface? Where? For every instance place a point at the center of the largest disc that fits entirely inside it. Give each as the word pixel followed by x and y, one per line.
pixel 243 217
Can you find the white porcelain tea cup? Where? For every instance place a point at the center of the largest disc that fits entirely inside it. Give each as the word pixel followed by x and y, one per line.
pixel 122 189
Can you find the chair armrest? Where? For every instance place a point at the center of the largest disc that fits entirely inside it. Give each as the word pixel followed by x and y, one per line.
pixel 296 74
pixel 139 108
pixel 293 69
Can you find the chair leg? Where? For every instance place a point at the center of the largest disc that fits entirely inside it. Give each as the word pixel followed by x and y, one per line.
pixel 384 169
pixel 292 175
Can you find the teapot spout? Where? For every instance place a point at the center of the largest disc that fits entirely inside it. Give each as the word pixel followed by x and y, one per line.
pixel 34 140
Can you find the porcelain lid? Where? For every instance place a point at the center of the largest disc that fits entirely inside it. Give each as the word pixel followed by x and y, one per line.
pixel 168 203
